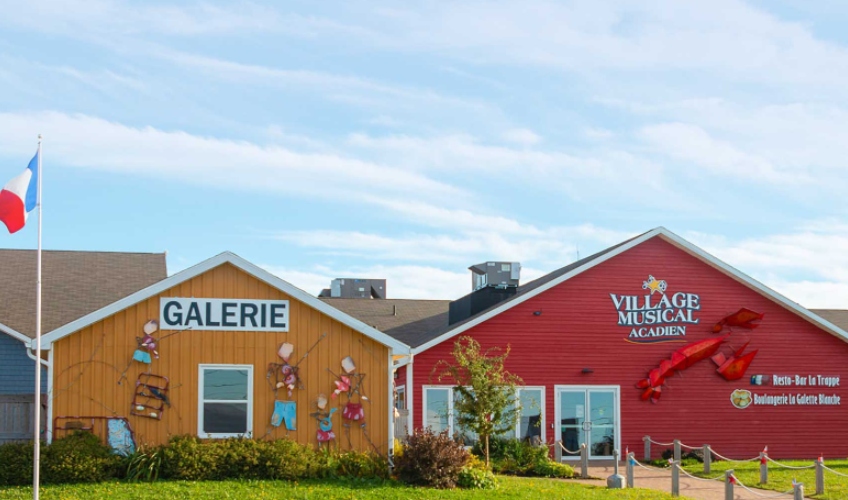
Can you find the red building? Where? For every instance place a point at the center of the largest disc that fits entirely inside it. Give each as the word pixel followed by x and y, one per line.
pixel 584 336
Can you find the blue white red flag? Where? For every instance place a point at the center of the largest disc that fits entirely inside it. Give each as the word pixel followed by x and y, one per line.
pixel 19 197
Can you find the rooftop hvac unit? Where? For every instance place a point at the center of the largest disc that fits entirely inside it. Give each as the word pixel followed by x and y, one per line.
pixel 495 274
pixel 357 288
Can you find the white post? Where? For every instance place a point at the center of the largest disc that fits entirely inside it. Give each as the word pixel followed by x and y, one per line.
pixel 820 476
pixel 798 491
pixel 675 478
pixel 763 468
pixel 728 485
pixel 630 459
pixel 36 449
pixel 584 461
pixel 708 458
pixel 677 453
pixel 647 440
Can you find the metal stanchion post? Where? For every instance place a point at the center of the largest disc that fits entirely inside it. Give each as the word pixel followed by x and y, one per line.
pixel 675 478
pixel 820 476
pixel 677 450
pixel 647 440
pixel 630 459
pixel 728 485
pixel 708 458
pixel 616 480
pixel 584 461
pixel 558 451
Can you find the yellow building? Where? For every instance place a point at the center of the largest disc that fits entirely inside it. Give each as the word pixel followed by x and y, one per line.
pixel 200 353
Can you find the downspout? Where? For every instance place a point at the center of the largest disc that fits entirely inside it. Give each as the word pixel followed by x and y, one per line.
pixel 32 357
pixel 410 397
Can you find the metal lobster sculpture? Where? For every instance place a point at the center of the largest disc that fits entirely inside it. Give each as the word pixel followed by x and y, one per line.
pixel 731 367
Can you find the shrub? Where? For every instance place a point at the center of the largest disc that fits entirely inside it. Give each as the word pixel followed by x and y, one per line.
pixel 361 465
pixel 144 464
pixel 184 457
pixel 79 458
pixel 549 468
pixel 475 478
pixel 513 456
pixel 286 459
pixel 431 459
pixel 16 464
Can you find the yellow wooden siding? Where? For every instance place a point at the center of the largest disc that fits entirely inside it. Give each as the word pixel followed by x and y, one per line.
pixel 88 365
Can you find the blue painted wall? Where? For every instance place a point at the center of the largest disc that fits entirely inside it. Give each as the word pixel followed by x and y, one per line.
pixel 17 370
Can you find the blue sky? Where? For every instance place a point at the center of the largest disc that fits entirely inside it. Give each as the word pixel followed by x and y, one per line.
pixel 410 140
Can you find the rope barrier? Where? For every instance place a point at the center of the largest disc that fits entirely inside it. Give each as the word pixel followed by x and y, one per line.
pixel 717 478
pixel 660 444
pixel 789 466
pixel 563 447
pixel 825 467
pixel 732 460
pixel 691 447
pixel 757 493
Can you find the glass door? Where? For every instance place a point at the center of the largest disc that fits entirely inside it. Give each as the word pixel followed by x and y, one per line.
pixel 572 418
pixel 587 415
pixel 601 415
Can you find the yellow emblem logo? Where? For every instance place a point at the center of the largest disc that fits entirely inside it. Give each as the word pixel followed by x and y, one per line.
pixel 654 285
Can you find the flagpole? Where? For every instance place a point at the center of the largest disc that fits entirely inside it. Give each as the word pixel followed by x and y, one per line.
pixel 36 449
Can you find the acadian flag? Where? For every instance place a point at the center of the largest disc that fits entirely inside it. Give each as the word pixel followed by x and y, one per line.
pixel 19 197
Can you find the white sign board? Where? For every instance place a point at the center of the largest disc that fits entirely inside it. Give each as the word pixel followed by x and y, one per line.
pixel 179 313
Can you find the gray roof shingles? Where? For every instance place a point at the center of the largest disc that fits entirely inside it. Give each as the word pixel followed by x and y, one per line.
pixel 74 283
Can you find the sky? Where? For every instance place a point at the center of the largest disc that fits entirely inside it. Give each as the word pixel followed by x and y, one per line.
pixel 410 140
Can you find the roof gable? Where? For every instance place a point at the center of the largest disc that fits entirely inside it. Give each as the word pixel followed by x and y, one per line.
pixel 559 276
pixel 243 265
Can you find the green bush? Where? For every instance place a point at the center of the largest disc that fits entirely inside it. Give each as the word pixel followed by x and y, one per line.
pixel 185 457
pixel 513 456
pixel 144 464
pixel 16 464
pixel 431 459
pixel 361 465
pixel 549 468
pixel 79 458
pixel 476 478
pixel 286 459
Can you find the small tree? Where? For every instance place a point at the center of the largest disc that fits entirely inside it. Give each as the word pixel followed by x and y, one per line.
pixel 484 396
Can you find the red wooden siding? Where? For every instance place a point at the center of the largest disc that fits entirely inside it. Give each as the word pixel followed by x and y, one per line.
pixel 578 329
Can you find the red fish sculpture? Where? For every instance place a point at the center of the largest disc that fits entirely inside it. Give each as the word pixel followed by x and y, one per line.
pixel 743 318
pixel 681 359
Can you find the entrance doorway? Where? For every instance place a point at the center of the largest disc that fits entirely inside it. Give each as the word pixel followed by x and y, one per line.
pixel 587 414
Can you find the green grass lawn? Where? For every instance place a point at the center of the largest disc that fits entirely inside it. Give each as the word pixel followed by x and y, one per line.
pixel 780 479
pixel 510 487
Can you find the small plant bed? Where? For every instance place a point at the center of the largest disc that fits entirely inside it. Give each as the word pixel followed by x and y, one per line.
pixel 780 479
pixel 325 489
pixel 518 458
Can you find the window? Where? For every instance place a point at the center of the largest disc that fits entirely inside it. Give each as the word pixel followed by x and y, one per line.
pixel 530 424
pixel 225 406
pixel 400 398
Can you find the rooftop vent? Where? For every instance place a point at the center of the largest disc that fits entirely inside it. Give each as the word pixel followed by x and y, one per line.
pixel 355 288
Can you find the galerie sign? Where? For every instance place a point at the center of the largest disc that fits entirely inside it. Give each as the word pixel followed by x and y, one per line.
pixel 656 318
pixel 178 313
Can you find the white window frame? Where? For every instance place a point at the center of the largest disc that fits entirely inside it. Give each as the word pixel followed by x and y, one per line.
pixel 401 392
pixel 200 400
pixel 450 388
pixel 541 409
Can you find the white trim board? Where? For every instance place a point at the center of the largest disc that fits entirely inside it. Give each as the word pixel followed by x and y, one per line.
pixel 198 269
pixel 16 334
pixel 670 238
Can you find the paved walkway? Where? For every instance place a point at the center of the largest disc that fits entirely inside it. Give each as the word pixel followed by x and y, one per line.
pixel 698 489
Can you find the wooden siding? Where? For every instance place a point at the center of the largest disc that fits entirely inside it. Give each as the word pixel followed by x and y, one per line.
pixel 17 370
pixel 578 329
pixel 88 365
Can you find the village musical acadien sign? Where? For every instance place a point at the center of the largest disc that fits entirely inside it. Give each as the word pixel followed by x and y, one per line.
pixel 661 318
pixel 178 313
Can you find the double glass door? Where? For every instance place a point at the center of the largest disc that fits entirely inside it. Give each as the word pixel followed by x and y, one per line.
pixel 587 414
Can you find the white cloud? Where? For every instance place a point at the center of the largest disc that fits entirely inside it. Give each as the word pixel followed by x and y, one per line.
pixel 522 136
pixel 87 142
